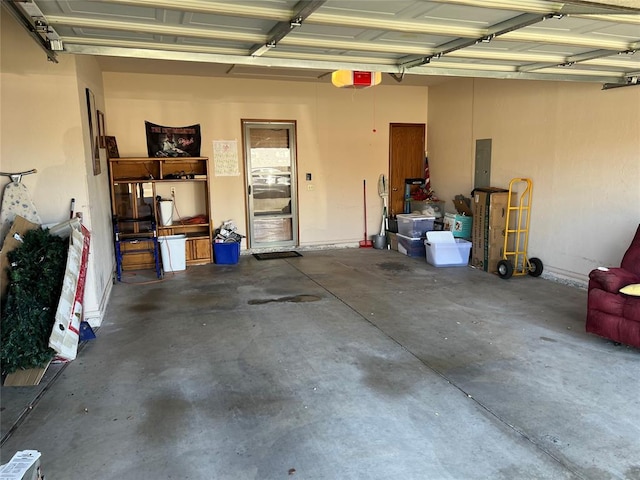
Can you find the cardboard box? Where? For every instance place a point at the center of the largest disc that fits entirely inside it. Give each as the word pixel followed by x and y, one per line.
pixel 25 378
pixel 392 240
pixel 20 226
pixel 489 226
pixel 462 205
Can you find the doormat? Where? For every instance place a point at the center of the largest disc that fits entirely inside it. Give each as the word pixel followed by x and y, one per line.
pixel 273 255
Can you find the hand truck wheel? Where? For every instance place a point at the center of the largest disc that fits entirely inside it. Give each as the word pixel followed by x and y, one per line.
pixel 535 267
pixel 505 269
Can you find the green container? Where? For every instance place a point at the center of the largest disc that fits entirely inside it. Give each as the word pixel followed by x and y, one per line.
pixel 459 225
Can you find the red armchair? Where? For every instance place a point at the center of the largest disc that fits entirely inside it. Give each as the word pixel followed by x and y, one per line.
pixel 612 314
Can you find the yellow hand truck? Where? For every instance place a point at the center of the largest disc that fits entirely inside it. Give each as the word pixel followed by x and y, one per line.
pixel 515 262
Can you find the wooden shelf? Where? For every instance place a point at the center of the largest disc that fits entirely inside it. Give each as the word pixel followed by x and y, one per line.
pixel 133 193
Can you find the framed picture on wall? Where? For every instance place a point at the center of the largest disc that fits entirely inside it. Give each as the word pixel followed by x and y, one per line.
pixel 101 130
pixel 112 147
pixel 93 130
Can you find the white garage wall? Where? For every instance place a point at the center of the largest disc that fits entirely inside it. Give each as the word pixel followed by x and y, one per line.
pixel 98 208
pixel 336 139
pixel 579 145
pixel 44 126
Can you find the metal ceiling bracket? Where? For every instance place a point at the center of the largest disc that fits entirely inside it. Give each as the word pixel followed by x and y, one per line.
pixel 412 61
pixel 582 57
pixel 36 27
pixel 302 10
pixel 258 52
pixel 582 7
pixel 396 77
pixel 514 23
pixel 632 81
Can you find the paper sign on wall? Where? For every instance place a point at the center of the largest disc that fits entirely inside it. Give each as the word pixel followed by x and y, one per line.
pixel 225 158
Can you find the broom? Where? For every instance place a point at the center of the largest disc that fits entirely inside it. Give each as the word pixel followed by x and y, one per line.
pixel 366 243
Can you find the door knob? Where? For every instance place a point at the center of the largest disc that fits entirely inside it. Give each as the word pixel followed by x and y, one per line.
pixel 394 189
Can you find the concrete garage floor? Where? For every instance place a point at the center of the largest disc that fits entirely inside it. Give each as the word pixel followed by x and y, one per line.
pixel 342 364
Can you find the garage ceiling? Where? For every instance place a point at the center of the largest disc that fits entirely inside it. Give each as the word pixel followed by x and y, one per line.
pixel 589 41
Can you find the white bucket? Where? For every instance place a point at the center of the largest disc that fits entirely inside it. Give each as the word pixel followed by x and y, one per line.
pixel 166 212
pixel 173 249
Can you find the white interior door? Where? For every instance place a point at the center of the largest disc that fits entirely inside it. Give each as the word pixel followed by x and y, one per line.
pixel 270 160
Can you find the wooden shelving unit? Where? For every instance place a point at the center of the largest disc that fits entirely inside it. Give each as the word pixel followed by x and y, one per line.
pixel 135 184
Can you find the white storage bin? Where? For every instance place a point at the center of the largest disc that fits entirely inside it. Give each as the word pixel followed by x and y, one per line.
pixel 173 249
pixel 428 208
pixel 443 250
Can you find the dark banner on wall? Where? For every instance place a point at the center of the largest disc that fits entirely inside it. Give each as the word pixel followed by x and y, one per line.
pixel 173 141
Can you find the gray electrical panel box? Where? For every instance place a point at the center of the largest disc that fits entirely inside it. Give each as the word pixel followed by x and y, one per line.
pixel 483 163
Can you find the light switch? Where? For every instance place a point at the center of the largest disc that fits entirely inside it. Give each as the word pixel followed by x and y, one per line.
pixel 308 177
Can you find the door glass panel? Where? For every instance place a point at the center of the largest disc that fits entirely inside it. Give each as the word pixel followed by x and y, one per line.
pixel 271 180
pixel 267 230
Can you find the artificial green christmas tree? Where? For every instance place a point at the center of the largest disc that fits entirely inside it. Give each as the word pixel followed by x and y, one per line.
pixel 28 315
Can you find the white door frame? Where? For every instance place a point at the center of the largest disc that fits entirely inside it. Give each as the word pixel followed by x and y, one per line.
pixel 271 186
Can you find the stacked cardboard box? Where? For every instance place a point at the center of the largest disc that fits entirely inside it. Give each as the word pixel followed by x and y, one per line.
pixel 392 240
pixel 489 225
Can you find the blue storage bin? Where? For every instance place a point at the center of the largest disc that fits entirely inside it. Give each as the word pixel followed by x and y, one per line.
pixel 411 247
pixel 226 253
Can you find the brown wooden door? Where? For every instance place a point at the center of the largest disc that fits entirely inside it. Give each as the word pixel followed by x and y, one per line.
pixel 406 160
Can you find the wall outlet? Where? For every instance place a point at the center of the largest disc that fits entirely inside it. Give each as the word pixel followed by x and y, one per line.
pixel 173 191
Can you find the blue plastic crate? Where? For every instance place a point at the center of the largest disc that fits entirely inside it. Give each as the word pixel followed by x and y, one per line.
pixel 226 253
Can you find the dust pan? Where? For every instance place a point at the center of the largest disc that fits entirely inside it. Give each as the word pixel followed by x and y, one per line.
pixel 366 243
